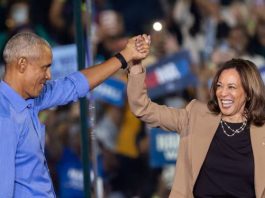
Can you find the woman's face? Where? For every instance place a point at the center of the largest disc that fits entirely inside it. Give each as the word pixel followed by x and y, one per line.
pixel 230 95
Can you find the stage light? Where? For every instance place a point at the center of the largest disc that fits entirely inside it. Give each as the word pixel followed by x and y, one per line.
pixel 157 26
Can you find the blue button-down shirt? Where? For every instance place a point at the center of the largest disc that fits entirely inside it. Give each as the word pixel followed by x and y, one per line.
pixel 23 168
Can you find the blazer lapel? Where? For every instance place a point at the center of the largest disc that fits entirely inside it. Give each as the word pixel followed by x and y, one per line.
pixel 257 135
pixel 202 139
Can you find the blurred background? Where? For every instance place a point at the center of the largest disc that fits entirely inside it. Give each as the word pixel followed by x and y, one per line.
pixel 190 39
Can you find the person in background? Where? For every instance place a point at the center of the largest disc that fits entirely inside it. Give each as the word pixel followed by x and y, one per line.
pixel 26 90
pixel 18 19
pixel 61 20
pixel 221 149
pixel 257 43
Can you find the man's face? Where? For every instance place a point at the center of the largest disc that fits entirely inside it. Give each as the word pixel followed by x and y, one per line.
pixel 37 73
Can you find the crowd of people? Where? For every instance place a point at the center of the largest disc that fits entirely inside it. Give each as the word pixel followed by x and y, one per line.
pixel 212 31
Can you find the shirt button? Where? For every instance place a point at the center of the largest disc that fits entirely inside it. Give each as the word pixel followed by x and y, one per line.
pixel 29 106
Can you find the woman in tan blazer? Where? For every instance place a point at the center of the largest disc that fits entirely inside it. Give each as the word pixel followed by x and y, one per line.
pixel 222 143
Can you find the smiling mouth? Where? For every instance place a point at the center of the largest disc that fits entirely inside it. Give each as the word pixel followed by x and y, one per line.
pixel 42 84
pixel 226 103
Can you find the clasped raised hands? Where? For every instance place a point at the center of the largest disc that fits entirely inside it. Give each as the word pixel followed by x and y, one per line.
pixel 137 48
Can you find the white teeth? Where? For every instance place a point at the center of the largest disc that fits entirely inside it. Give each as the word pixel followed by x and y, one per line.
pixel 226 103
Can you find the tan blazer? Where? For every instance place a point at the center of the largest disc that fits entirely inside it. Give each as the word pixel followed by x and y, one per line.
pixel 196 126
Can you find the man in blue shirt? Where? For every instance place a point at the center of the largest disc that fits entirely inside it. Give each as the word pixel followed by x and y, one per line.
pixel 25 91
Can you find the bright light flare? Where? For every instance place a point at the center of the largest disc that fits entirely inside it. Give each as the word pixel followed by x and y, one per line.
pixel 157 26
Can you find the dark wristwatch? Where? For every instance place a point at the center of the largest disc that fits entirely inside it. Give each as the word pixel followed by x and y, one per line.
pixel 121 58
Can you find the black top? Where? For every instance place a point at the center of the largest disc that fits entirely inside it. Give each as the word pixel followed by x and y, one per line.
pixel 228 169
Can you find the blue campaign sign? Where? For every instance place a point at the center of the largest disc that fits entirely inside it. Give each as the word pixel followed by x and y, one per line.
pixel 70 175
pixel 111 91
pixel 64 60
pixel 170 74
pixel 163 147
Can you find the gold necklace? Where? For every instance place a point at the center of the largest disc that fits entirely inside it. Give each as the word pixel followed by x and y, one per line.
pixel 237 131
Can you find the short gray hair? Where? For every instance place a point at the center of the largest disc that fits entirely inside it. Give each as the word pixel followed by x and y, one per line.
pixel 24 44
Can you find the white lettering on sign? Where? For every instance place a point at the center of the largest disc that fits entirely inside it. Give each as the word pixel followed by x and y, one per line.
pixel 75 178
pixel 167 73
pixel 168 144
pixel 64 60
pixel 170 154
pixel 108 91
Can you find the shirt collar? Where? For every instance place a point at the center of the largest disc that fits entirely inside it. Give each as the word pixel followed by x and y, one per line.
pixel 13 97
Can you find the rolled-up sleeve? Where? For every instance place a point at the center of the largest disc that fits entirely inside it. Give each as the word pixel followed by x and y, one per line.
pixel 80 82
pixel 63 91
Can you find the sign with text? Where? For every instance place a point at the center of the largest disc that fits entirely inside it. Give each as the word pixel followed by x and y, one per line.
pixel 64 60
pixel 170 74
pixel 70 175
pixel 163 147
pixel 111 91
